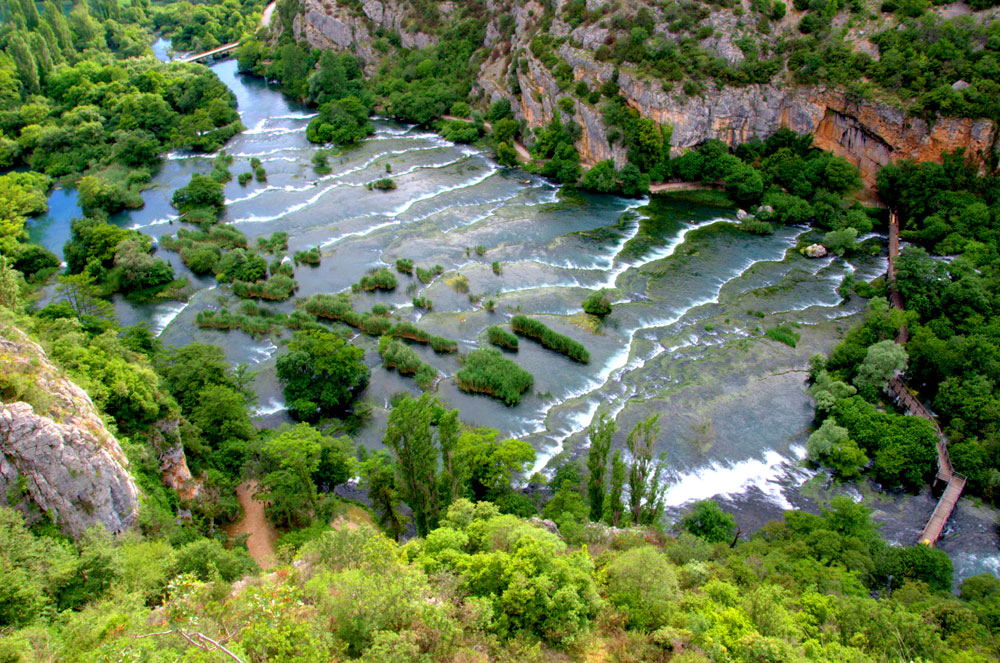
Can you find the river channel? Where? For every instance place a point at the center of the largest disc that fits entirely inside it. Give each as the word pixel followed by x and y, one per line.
pixel 692 298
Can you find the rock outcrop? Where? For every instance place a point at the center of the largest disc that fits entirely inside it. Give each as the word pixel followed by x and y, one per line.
pixel 57 458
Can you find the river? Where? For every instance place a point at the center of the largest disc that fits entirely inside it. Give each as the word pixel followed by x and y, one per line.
pixel 693 296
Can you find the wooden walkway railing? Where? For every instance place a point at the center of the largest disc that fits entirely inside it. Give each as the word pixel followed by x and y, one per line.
pixel 905 399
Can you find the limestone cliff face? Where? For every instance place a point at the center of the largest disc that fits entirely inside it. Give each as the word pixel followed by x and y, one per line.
pixel 56 456
pixel 868 133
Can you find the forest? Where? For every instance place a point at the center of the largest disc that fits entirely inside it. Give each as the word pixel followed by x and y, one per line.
pixel 461 555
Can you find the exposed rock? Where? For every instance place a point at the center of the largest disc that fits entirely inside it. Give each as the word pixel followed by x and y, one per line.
pixel 174 471
pixel 60 460
pixel 546 525
pixel 959 85
pixel 814 251
pixel 870 134
pixel 741 214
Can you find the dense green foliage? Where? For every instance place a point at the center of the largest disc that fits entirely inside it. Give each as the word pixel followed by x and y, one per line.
pixel 538 331
pixel 487 371
pixel 206 24
pixel 400 356
pixel 321 374
pixel 597 303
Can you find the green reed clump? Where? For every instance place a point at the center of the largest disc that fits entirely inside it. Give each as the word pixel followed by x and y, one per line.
pixel 276 288
pixel 538 331
pixel 501 338
pixel 404 266
pixel 403 358
pixel 783 334
pixel 380 279
pixel 411 332
pixel 308 257
pixel 427 275
pixel 488 372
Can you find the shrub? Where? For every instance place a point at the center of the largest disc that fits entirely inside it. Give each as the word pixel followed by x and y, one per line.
pixel 496 268
pixel 276 288
pixel 244 178
pixel 423 303
pixel 501 338
pixel 384 184
pixel 260 174
pixel 487 371
pixel 404 266
pixel 598 303
pixel 538 331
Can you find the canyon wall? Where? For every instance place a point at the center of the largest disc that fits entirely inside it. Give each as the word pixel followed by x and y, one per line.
pixel 867 133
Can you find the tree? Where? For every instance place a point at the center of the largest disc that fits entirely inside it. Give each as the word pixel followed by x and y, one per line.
pixel 379 478
pixel 708 521
pixel 614 506
pixel 882 362
pixel 321 374
pixel 416 441
pixel 10 285
pixel 642 583
pixel 295 455
pixel 80 292
pixel 601 434
pixel 202 192
pixel 644 486
pixel 487 465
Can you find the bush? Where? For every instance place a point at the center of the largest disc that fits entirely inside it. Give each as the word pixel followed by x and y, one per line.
pixel 598 303
pixel 642 583
pixel 423 303
pixel 402 357
pixel 309 257
pixel 501 338
pixel 487 371
pixel 384 184
pixel 538 331
pixel 244 178
pixel 404 266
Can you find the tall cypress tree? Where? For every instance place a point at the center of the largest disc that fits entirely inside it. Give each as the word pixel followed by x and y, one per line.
pixel 601 433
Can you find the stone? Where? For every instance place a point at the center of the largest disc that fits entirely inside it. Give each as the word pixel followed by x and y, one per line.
pixel 60 461
pixel 546 525
pixel 741 214
pixel 814 251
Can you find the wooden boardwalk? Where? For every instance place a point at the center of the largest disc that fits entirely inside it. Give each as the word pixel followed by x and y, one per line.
pixel 905 399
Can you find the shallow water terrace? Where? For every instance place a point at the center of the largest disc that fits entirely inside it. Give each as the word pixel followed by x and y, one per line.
pixel 692 299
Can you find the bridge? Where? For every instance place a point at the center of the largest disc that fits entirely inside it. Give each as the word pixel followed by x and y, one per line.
pixel 905 399
pixel 265 20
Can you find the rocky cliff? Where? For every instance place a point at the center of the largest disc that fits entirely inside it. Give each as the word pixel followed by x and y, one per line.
pixel 56 456
pixel 868 133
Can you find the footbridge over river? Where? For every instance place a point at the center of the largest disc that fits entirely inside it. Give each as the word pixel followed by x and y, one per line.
pixel 265 20
pixel 905 399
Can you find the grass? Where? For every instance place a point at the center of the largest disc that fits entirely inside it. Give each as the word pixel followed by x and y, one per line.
pixel 783 334
pixel 501 338
pixel 535 330
pixel 488 372
pixel 404 266
pixel 224 319
pixel 423 303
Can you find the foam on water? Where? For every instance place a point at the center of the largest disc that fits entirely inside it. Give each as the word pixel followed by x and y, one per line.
pixel 734 479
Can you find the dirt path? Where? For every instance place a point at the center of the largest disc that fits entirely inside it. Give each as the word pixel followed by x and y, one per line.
pixel 255 523
pixel 265 18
